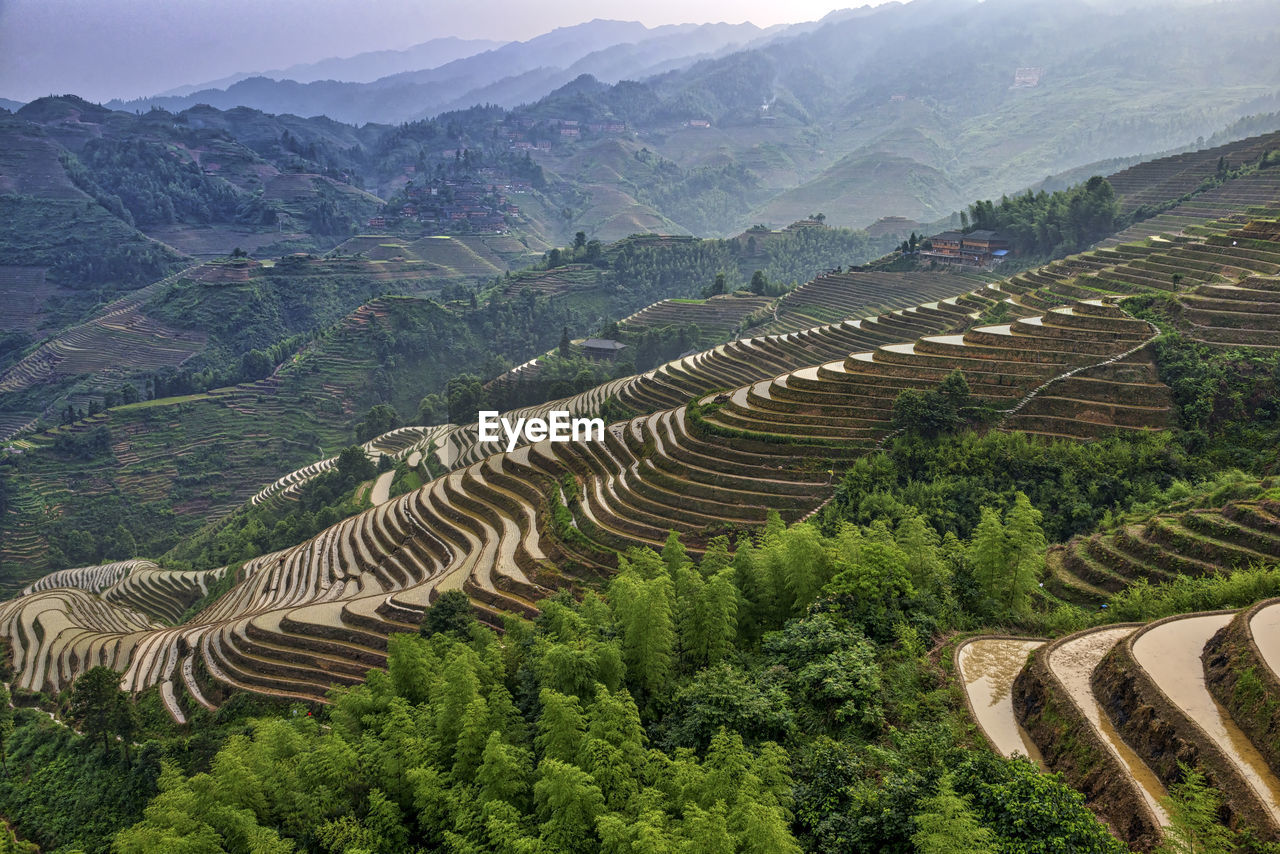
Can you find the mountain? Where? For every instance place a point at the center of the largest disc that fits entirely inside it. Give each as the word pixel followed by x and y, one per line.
pixel 361 68
pixel 11 106
pixel 508 75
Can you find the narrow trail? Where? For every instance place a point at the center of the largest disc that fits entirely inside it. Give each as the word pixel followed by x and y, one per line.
pixel 988 667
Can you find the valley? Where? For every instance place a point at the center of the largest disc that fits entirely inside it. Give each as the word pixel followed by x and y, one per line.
pixel 834 436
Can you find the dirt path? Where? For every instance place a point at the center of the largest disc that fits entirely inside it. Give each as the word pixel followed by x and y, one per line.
pixel 1170 653
pixel 988 667
pixel 1073 663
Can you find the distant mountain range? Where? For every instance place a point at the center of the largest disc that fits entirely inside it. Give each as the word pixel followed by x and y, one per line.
pixel 453 74
pixel 361 68
pixel 911 110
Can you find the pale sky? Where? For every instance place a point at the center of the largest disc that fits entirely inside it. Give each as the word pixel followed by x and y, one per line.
pixel 103 49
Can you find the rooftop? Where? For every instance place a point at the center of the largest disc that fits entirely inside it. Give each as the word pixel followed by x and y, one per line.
pixel 602 344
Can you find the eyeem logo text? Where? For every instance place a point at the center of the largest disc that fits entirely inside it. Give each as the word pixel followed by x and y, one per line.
pixel 560 427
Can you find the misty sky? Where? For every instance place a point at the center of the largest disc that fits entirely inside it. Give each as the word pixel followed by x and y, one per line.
pixel 102 49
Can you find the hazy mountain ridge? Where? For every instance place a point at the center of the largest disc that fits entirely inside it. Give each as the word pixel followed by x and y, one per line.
pixel 508 75
pixel 360 68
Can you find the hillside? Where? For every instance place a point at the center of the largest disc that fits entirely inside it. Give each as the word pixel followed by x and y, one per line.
pixel 700 468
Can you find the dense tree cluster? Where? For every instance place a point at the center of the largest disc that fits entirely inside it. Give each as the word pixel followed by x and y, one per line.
pixel 1055 223
pixel 950 479
pixel 677 712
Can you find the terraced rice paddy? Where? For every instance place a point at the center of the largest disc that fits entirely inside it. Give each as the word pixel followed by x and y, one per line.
pixel 1156 181
pixel 1169 652
pixel 987 668
pixel 23 292
pixel 119 341
pixel 1073 662
pixel 1195 542
pixel 717 318
pixel 1117 708
pixel 719 439
pixel 836 296
pixel 485 527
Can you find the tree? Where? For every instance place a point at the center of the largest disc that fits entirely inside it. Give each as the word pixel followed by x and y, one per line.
pixel 946 825
pixel 566 346
pixel 95 698
pixel 451 613
pixel 255 365
pixel 562 727
pixel 579 240
pixel 1194 827
pixel 354 466
pixel 759 284
pixel 568 803
pixel 1024 551
pixel 986 553
pixel 380 418
pixel 643 608
pixel 6 725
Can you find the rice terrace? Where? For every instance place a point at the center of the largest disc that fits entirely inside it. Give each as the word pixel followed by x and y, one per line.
pixel 853 434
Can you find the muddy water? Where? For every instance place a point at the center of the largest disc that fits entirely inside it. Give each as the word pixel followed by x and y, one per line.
pixel 381 488
pixel 1170 653
pixel 1265 626
pixel 1073 663
pixel 988 667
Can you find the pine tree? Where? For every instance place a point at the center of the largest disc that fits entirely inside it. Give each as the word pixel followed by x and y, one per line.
pixel 716 557
pixel 644 615
pixel 1194 827
pixel 755 606
pixel 472 739
pixel 920 543
pixel 946 825
pixel 412 666
pixel 504 773
pixel 1025 552
pixel 94 698
pixel 457 689
pixel 720 613
pixel 568 803
pixel 562 727
pixel 987 555
pixel 674 554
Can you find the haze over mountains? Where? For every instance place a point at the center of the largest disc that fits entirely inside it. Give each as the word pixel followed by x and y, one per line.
pixel 901 109
pixel 432 77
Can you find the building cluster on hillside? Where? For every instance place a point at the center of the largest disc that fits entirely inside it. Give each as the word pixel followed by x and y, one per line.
pixel 526 133
pixel 473 204
pixel 980 248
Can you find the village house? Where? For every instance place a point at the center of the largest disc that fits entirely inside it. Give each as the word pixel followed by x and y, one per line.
pixel 604 349
pixel 981 248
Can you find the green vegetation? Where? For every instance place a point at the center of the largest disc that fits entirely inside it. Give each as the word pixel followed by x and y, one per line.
pixel 949 479
pixel 655 715
pixel 322 502
pixel 1051 224
pixel 97 252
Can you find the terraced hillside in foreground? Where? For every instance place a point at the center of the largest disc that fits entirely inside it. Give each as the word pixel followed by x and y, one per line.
pixel 1195 541
pixel 1117 707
